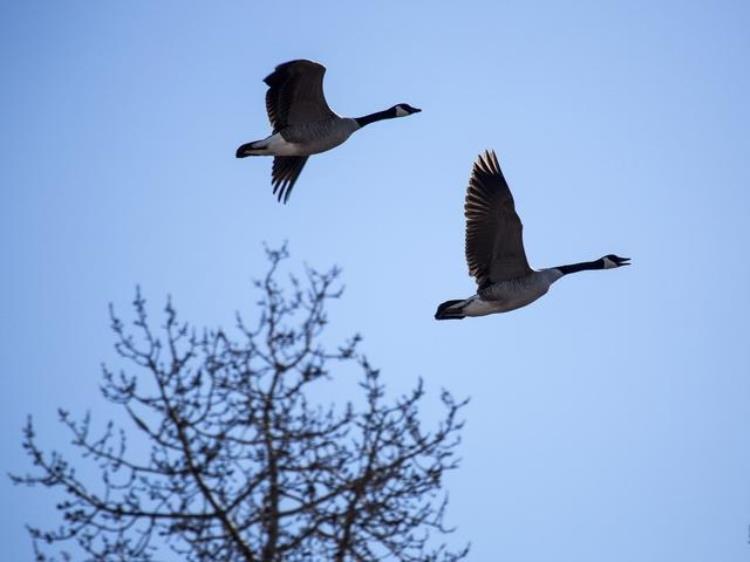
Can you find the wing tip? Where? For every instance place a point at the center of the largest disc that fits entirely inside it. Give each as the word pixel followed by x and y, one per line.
pixel 487 162
pixel 284 175
pixel 282 188
pixel 282 71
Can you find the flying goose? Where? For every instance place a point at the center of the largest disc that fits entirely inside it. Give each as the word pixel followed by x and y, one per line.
pixel 302 122
pixel 494 250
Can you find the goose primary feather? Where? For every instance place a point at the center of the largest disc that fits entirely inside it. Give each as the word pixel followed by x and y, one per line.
pixel 495 253
pixel 302 122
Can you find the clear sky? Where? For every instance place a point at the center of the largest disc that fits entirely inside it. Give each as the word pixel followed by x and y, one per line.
pixel 609 420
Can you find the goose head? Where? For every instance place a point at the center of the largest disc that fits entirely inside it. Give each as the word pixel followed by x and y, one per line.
pixel 611 260
pixel 404 109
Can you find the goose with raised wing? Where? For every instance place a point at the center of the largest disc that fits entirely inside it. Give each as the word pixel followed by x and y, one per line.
pixel 302 122
pixel 494 250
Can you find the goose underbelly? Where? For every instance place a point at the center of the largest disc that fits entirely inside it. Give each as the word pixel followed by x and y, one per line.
pixel 479 306
pixel 277 145
pixel 509 295
pixel 313 138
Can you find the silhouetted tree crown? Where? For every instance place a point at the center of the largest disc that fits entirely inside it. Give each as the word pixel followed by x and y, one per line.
pixel 243 465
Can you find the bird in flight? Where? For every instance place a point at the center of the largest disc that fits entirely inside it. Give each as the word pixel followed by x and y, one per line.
pixel 302 122
pixel 494 250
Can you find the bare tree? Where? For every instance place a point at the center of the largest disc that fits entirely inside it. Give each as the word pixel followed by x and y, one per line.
pixel 243 464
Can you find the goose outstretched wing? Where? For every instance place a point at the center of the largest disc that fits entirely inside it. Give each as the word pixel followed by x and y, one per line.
pixel 295 94
pixel 494 233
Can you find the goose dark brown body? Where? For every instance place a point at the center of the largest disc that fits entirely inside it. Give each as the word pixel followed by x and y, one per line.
pixel 495 253
pixel 302 122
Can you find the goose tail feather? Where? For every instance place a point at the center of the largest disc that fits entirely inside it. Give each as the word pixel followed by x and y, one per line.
pixel 450 310
pixel 255 148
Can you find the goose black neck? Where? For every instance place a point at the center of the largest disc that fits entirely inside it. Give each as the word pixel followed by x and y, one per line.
pixel 582 266
pixel 377 116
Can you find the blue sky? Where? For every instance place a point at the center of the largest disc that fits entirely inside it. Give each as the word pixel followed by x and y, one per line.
pixel 608 421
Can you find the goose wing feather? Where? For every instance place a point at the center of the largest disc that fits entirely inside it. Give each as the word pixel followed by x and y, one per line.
pixel 295 94
pixel 494 233
pixel 286 170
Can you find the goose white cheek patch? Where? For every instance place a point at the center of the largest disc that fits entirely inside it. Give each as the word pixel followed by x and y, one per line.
pixel 609 264
pixel 401 112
